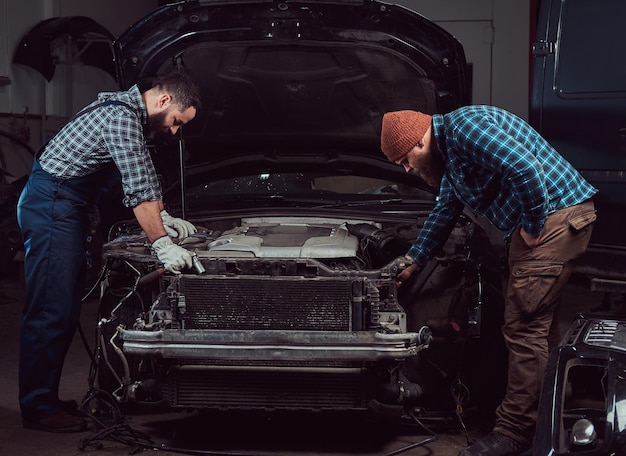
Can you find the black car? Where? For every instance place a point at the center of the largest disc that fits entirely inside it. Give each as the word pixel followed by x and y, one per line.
pixel 302 223
pixel 583 403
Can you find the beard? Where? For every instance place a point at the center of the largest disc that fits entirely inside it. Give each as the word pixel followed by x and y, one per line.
pixel 154 127
pixel 431 168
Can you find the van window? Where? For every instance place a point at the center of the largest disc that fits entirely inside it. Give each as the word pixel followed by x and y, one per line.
pixel 592 59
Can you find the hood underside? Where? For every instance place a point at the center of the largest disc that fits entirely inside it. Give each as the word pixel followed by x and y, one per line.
pixel 285 73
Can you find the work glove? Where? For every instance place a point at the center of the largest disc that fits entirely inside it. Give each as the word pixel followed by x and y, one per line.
pixel 177 227
pixel 173 257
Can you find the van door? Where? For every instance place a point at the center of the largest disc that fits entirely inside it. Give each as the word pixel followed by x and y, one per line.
pixel 578 103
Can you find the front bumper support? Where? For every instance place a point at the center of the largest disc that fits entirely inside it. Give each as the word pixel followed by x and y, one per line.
pixel 270 345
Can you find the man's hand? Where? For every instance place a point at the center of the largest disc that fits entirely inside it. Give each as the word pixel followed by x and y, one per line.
pixel 530 240
pixel 173 257
pixel 409 268
pixel 177 227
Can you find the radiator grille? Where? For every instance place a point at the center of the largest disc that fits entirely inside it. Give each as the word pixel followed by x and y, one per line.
pixel 267 303
pixel 265 390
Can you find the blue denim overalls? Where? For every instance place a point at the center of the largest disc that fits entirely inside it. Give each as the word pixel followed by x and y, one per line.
pixel 54 216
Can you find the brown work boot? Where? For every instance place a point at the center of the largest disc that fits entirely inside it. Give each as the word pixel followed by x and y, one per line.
pixel 59 422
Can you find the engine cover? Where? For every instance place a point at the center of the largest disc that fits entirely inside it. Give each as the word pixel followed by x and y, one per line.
pixel 286 237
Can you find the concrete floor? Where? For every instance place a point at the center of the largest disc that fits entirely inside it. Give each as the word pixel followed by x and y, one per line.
pixel 188 433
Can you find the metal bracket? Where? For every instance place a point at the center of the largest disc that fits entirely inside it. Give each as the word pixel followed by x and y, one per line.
pixel 542 48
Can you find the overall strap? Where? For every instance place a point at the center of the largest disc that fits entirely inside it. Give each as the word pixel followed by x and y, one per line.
pixel 104 103
pixel 80 113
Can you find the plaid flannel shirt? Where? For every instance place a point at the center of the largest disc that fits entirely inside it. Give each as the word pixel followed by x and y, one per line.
pixel 112 133
pixel 499 167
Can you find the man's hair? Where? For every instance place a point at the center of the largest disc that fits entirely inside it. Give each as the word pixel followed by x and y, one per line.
pixel 182 88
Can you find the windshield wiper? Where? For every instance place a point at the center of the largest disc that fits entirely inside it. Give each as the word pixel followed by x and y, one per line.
pixel 368 202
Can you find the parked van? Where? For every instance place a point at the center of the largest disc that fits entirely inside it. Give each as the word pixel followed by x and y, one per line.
pixel 578 103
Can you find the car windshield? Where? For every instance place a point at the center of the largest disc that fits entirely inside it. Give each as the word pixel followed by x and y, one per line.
pixel 302 186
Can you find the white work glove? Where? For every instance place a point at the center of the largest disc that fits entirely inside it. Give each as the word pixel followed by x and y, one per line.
pixel 173 257
pixel 177 227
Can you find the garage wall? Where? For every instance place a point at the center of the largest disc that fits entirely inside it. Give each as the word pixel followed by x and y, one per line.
pixel 495 35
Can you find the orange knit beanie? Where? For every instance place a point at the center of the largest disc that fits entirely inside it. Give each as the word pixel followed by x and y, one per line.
pixel 401 131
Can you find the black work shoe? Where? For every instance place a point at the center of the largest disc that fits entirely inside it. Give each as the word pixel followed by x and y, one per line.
pixel 71 408
pixel 495 444
pixel 59 422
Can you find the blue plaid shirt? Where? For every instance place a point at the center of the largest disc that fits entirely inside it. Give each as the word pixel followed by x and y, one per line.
pixel 498 166
pixel 112 133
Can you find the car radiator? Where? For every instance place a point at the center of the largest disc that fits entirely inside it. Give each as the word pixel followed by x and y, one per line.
pixel 263 302
pixel 275 389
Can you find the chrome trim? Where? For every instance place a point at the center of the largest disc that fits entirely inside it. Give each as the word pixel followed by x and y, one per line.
pixel 607 334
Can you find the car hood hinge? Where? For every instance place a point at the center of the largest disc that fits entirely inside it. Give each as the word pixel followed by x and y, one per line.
pixel 543 48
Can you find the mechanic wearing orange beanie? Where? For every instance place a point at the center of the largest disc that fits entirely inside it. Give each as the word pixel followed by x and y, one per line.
pixel 497 165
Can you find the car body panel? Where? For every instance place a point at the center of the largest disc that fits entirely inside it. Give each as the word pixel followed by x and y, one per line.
pixel 278 72
pixel 578 103
pixel 584 381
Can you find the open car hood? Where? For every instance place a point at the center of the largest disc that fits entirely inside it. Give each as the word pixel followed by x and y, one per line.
pixel 311 74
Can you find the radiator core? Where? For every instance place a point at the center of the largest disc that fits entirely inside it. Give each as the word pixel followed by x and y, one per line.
pixel 261 302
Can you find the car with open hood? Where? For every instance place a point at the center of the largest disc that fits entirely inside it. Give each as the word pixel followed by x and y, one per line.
pixel 302 222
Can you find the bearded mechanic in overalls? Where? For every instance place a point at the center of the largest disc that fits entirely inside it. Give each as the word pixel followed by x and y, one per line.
pixel 105 140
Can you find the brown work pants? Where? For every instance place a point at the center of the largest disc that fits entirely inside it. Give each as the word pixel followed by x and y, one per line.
pixel 531 325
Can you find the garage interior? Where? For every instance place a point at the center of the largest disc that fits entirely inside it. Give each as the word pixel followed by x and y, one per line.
pixel 496 35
